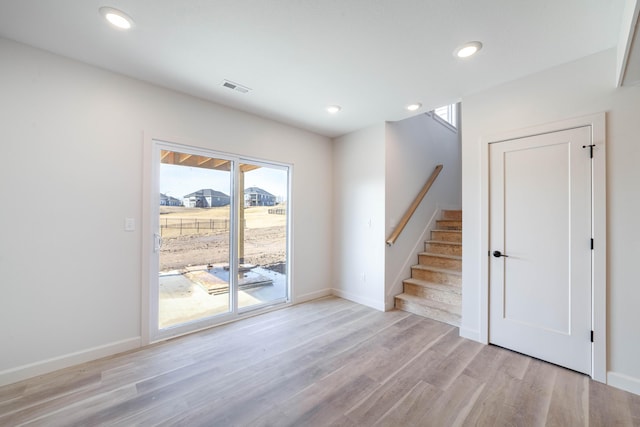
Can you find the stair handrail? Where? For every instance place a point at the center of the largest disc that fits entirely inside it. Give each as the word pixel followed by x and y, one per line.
pixel 416 202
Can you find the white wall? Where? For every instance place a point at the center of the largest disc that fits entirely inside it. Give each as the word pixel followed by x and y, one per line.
pixel 359 216
pixel 72 139
pixel 579 88
pixel 414 147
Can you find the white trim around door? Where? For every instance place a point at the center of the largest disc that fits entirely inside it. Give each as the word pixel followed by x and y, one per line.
pixel 597 124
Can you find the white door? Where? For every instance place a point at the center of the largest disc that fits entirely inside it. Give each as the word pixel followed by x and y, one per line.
pixel 540 240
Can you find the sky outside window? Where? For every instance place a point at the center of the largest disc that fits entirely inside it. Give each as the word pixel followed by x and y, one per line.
pixel 178 181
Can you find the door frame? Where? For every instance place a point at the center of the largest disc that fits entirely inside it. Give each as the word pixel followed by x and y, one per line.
pixel 597 123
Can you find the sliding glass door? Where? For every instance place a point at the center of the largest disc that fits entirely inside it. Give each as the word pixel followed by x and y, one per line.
pixel 195 228
pixel 262 240
pixel 220 238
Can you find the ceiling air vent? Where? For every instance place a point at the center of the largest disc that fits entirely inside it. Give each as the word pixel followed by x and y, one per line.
pixel 235 86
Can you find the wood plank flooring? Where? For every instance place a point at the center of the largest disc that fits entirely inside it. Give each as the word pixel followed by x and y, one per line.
pixel 329 362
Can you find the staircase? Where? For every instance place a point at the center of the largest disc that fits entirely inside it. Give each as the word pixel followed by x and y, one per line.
pixel 435 287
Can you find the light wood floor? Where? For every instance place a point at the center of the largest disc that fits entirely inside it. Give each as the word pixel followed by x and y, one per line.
pixel 325 363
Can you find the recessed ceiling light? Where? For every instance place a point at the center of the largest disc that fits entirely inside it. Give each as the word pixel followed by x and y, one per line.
pixel 467 49
pixel 333 109
pixel 117 18
pixel 414 107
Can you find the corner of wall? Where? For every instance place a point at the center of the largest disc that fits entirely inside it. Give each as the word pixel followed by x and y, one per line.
pixel 359 216
pixel 360 299
pixel 471 334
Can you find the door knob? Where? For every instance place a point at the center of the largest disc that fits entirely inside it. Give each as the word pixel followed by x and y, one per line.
pixel 498 254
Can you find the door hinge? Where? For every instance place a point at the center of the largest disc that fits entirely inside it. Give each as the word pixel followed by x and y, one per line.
pixel 590 149
pixel 591 336
pixel 591 244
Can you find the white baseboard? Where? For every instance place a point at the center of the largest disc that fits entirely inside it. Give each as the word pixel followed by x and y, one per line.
pixel 624 382
pixel 471 334
pixel 378 305
pixel 298 299
pixel 9 376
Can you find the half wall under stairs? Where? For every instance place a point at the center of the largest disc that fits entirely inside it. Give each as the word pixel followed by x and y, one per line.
pixel 435 287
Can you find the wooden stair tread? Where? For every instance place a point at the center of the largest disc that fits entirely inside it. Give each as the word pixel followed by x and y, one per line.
pixel 437 269
pixel 437 286
pixel 433 254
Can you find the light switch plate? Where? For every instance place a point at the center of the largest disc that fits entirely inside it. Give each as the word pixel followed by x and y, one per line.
pixel 129 224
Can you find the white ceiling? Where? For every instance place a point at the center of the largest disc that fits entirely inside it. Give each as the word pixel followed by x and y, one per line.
pixel 372 57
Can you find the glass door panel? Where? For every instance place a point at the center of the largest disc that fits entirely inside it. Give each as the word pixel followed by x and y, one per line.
pixel 195 229
pixel 262 240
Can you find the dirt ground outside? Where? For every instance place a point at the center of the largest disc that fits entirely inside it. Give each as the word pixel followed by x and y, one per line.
pixel 199 236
